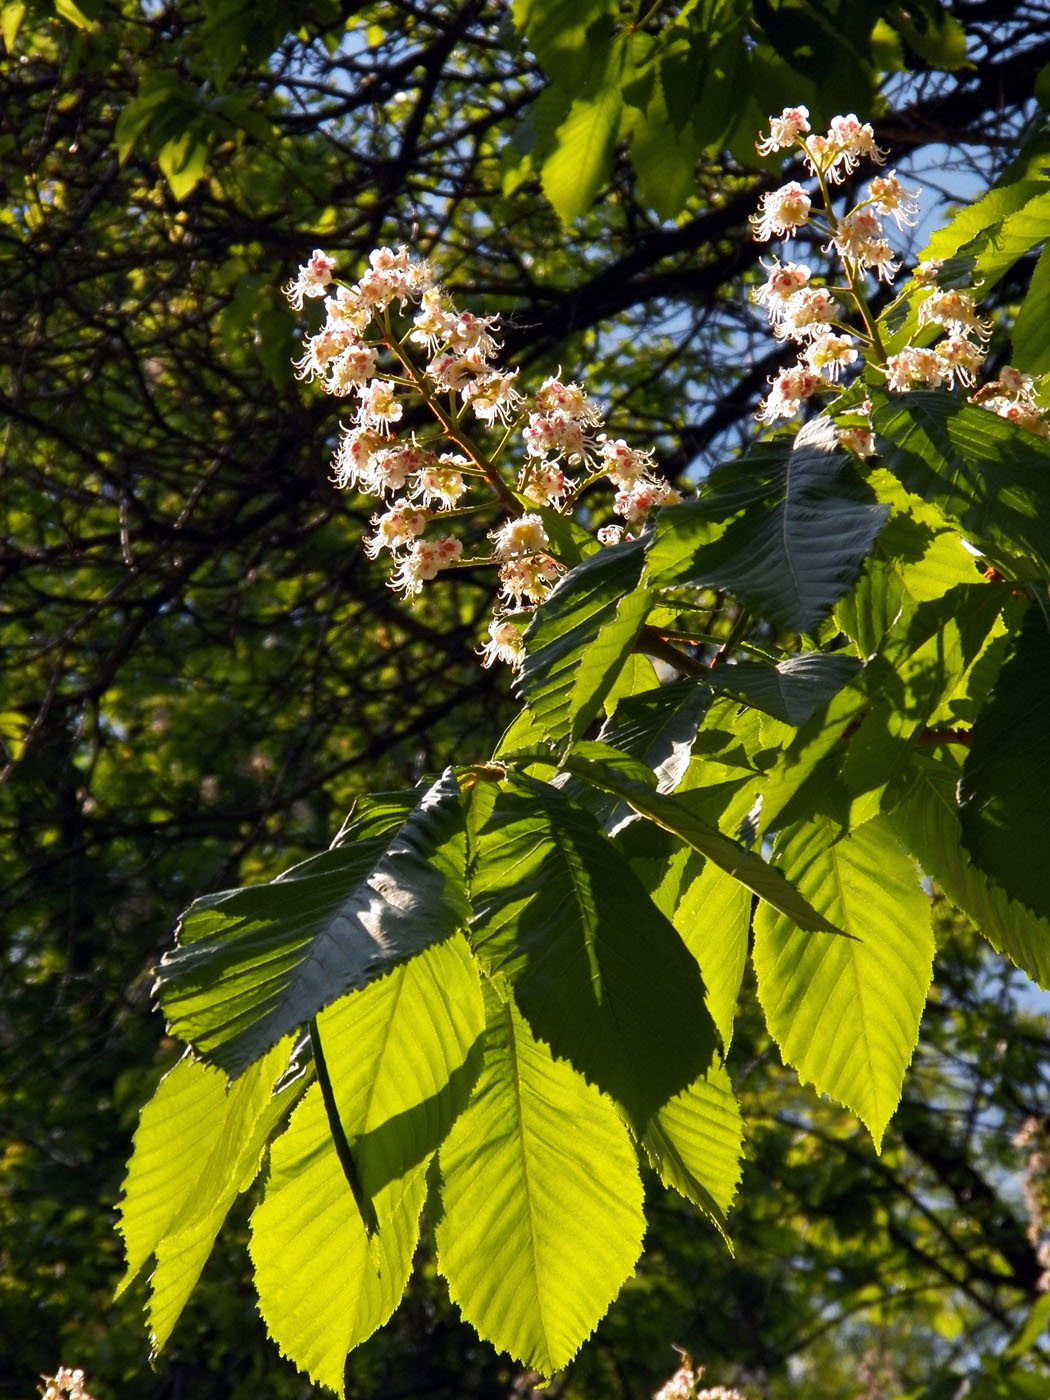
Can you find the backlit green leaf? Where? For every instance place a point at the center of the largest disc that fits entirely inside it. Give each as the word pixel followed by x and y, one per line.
pixel 542 1204
pixel 845 1011
pixel 695 1142
pixel 324 1284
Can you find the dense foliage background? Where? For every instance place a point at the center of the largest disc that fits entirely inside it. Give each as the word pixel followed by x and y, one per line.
pixel 201 670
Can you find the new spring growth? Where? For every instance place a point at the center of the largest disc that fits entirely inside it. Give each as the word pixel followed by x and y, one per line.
pixel 394 343
pixel 834 327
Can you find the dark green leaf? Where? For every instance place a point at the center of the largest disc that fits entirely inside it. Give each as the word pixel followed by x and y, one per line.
pixel 792 690
pixel 1002 792
pixel 598 972
pixel 255 964
pixel 989 475
pixel 799 544
pixel 580 638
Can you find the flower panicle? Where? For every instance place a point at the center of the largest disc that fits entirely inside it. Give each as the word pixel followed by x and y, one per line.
pixel 445 361
pixel 833 336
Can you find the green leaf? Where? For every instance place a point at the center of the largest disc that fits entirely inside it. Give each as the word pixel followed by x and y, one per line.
pixel 845 1011
pixel 1030 337
pixel 12 12
pixel 581 158
pixel 659 727
pixel 198 1144
pixel 580 638
pixel 682 816
pixel 542 1204
pixel 325 1284
pixel 793 689
pixel 713 917
pixel 927 824
pixel 1002 791
pixel 799 544
pixel 799 783
pixel 695 1143
pixel 183 160
pixel 598 972
pixel 917 557
pixel 986 473
pixel 402 1055
pixel 254 964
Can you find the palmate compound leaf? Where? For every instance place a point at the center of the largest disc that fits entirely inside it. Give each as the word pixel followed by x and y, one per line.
pixel 797 547
pixel 580 638
pixel 927 823
pixel 695 1143
pixel 542 1217
pixel 1002 792
pixel 597 971
pixel 254 964
pixel 198 1144
pixel 401 1056
pixel 845 1011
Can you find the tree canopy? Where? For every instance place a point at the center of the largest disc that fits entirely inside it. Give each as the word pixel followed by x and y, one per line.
pixel 204 674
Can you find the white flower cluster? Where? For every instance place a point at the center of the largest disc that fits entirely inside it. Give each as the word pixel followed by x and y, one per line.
pixel 1033 1135
pixel 446 358
pixel 684 1384
pixel 813 317
pixel 65 1384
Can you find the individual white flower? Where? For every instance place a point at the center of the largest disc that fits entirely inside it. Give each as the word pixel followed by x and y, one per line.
pixel 914 366
pixel 433 322
pixel 893 200
pixel 493 397
pixel 320 350
pixel 312 279
pixel 789 389
pixel 350 369
pixel 558 433
pixel 525 535
pixel 611 534
pixel 782 282
pixel 636 501
pixel 808 313
pixel 455 372
pixel 961 359
pixel 784 130
pixel 781 212
pixel 504 644
pixel 379 405
pixel 354 456
pixel 925 274
pixel 955 310
pixel 623 464
pixel 851 140
pixel 530 578
pixel 569 400
pixel 393 466
pixel 468 333
pixel 854 232
pixel 441 483
pixel 396 529
pixel 829 354
pixel 544 483
pixel 424 562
